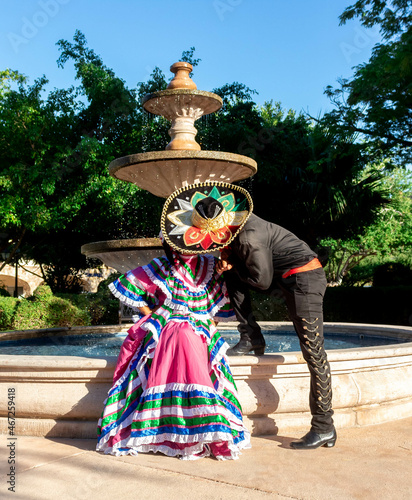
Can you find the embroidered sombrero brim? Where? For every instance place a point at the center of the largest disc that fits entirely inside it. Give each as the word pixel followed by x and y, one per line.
pixel 187 232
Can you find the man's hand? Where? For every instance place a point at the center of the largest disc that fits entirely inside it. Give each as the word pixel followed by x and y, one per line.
pixel 223 265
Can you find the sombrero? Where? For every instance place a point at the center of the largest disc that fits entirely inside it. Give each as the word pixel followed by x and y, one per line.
pixel 204 217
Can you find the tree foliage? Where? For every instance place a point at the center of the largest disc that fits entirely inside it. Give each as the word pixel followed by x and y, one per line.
pixel 54 153
pixel 377 101
pixel 309 177
pixel 387 240
pixel 56 194
pixel 393 17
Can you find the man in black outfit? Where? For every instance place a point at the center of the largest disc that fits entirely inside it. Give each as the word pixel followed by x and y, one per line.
pixel 265 257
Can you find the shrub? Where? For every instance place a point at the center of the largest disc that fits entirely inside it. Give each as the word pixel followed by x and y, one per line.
pixel 101 310
pixel 8 307
pixel 392 274
pixel 43 293
pixel 101 306
pixel 375 305
pixel 104 311
pixel 44 310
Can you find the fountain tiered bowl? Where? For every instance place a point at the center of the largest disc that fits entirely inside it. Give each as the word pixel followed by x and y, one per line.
pixel 126 254
pixel 163 172
pixel 182 163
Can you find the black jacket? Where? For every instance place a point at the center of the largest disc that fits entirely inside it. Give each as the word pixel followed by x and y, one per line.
pixel 263 251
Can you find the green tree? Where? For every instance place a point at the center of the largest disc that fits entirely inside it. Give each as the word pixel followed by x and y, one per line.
pixel 377 101
pixel 55 191
pixel 393 17
pixel 309 177
pixel 54 153
pixel 353 261
pixel 33 141
pixel 56 194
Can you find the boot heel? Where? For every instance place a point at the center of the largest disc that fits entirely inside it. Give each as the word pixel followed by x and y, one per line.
pixel 259 351
pixel 330 444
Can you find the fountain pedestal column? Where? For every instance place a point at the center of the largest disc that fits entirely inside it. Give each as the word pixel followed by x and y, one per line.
pixel 183 132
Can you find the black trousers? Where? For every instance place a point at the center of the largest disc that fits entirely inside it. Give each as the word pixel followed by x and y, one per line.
pixel 303 293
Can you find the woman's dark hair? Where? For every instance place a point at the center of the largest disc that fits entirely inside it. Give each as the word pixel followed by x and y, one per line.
pixel 169 252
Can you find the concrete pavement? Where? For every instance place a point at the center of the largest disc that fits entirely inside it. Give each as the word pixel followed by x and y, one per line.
pixel 367 463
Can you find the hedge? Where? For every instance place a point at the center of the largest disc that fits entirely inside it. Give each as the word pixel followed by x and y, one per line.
pixel 390 305
pixel 375 305
pixel 8 306
pixel 101 310
pixel 44 310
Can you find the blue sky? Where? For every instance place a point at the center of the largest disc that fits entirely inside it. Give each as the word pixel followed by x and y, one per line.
pixel 287 51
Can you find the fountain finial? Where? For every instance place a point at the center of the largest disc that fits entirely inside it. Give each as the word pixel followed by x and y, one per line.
pixel 181 80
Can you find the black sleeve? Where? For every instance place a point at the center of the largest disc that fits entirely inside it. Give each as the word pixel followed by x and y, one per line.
pixel 254 265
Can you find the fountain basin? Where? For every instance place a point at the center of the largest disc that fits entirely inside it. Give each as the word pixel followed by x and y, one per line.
pixel 63 396
pixel 170 103
pixel 124 255
pixel 163 172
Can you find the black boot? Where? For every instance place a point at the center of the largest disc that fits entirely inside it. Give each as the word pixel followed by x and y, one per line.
pixel 313 440
pixel 247 345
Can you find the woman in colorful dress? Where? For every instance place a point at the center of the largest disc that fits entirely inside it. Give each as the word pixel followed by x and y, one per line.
pixel 173 390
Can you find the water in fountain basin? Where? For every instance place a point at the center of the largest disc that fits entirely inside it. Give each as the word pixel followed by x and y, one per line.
pixel 98 345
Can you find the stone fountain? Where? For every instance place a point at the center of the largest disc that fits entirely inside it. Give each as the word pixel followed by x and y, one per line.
pixel 182 163
pixel 371 385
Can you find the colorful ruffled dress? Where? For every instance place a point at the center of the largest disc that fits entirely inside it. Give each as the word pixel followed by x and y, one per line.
pixel 173 390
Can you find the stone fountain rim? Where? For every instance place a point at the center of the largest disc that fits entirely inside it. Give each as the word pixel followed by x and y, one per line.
pixel 284 358
pixel 126 244
pixel 178 92
pixel 372 385
pixel 186 154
